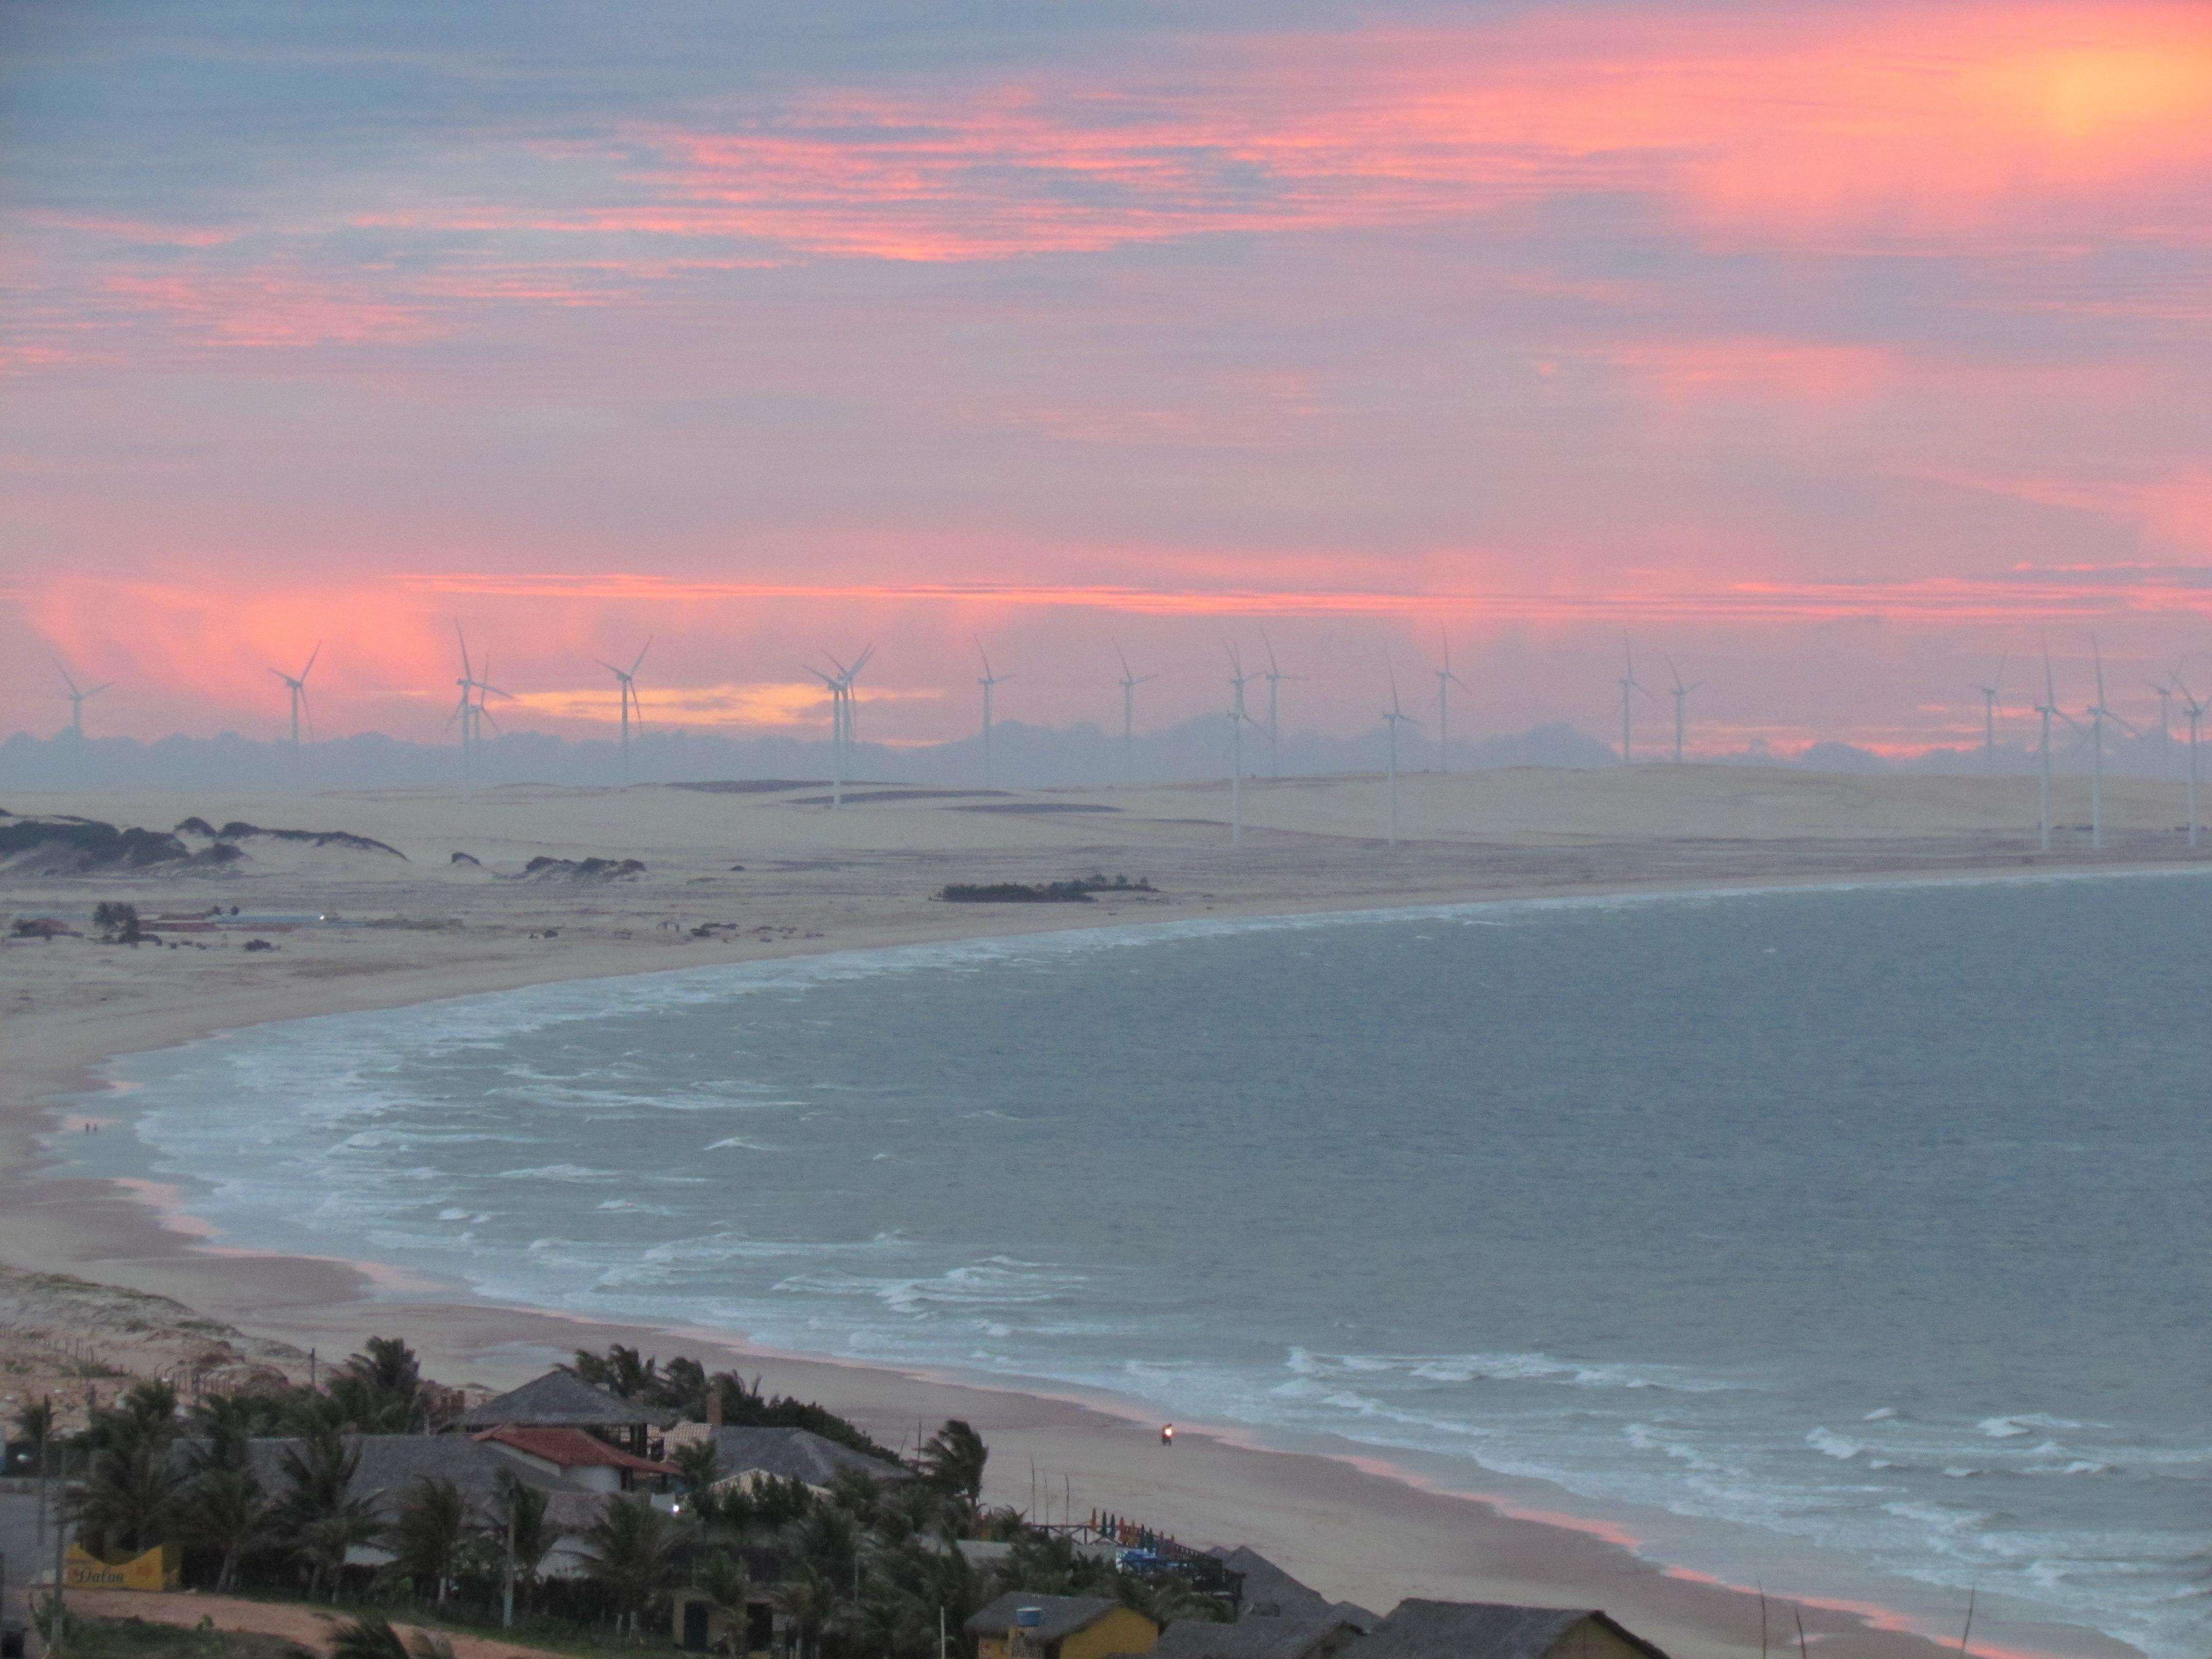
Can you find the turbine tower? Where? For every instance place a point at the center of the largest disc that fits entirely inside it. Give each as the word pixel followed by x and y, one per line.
pixel 1681 702
pixel 1445 680
pixel 2165 728
pixel 2099 714
pixel 470 711
pixel 77 700
pixel 989 681
pixel 1129 684
pixel 297 683
pixel 1393 717
pixel 2046 709
pixel 2193 711
pixel 1628 682
pixel 1990 694
pixel 1275 676
pixel 842 726
pixel 1238 720
pixel 626 696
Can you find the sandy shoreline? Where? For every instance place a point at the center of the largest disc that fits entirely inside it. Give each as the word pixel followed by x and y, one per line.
pixel 1353 1526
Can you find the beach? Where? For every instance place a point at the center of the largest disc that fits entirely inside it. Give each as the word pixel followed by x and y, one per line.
pixel 757 873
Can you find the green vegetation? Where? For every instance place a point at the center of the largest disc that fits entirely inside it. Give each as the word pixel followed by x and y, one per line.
pixel 1078 890
pixel 135 1639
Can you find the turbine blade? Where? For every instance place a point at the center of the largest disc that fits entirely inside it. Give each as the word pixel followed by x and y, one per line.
pixel 642 649
pixel 310 668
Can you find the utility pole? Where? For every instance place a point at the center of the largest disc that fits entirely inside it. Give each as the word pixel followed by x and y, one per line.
pixel 507 1588
pixel 56 1608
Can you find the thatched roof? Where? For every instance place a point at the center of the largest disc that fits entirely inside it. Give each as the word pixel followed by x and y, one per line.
pixel 561 1400
pixel 1308 1635
pixel 1484 1630
pixel 796 1454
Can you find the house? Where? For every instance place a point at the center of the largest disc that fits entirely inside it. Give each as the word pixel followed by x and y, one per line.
pixel 583 1460
pixel 1310 1633
pixel 749 1456
pixel 697 1623
pixel 1489 1629
pixel 1019 1625
pixel 561 1400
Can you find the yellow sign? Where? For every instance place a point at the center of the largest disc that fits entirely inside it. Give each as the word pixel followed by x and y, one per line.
pixel 156 1569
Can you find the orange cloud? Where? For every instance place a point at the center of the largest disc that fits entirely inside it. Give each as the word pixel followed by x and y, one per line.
pixel 753 704
pixel 2021 122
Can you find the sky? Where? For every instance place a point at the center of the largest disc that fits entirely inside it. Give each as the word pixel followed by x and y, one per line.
pixel 1839 355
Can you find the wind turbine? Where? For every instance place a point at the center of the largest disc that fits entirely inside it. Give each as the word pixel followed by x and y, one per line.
pixel 298 686
pixel 626 696
pixel 841 723
pixel 1990 694
pixel 1394 716
pixel 1628 682
pixel 2164 727
pixel 988 680
pixel 1275 676
pixel 1681 701
pixel 1445 680
pixel 470 711
pixel 2046 709
pixel 1129 684
pixel 2193 711
pixel 77 700
pixel 1238 720
pixel 2099 714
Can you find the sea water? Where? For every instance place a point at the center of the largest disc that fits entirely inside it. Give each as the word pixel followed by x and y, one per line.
pixel 1871 1221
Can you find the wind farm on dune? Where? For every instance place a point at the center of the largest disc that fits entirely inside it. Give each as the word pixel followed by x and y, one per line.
pixel 2096 728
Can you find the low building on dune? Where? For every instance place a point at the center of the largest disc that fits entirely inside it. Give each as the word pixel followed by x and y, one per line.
pixel 1020 1625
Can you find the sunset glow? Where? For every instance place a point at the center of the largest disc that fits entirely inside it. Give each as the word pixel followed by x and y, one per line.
pixel 1834 351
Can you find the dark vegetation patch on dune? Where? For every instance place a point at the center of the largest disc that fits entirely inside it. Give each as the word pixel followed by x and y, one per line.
pixel 542 868
pixel 240 831
pixel 1077 891
pixel 61 846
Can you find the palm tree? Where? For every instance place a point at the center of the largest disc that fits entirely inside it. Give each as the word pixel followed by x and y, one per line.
pixel 130 1491
pixel 427 1535
pixel 324 1521
pixel 218 1430
pixel 807 1599
pixel 730 1588
pixel 226 1510
pixel 630 1550
pixel 380 1390
pixel 953 1459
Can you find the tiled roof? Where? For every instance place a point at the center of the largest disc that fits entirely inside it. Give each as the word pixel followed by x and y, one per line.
pixel 570 1448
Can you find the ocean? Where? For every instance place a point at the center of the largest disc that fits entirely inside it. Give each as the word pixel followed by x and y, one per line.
pixel 1862 1234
